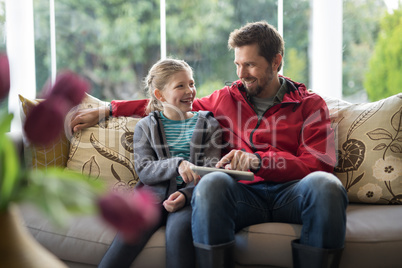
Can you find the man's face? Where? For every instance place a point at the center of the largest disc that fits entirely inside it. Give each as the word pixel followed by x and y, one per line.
pixel 254 71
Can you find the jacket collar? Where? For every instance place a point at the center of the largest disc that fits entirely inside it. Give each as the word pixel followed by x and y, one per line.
pixel 294 94
pixel 155 115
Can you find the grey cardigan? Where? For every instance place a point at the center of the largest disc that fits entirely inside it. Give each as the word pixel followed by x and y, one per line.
pixel 157 169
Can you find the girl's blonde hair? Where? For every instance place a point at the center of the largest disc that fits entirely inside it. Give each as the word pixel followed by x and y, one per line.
pixel 159 76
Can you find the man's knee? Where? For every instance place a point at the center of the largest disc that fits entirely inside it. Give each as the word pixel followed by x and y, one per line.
pixel 213 182
pixel 327 185
pixel 211 187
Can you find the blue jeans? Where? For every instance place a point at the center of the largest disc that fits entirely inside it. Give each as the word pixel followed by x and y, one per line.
pixel 179 243
pixel 222 206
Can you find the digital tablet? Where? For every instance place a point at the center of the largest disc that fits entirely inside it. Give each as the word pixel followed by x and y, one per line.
pixel 235 174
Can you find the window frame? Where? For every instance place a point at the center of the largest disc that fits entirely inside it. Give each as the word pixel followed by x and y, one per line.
pixel 20 48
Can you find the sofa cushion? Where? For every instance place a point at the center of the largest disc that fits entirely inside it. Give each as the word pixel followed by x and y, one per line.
pixel 369 142
pixel 54 155
pixel 373 239
pixel 105 151
pixel 373 236
pixel 86 239
pixel 266 243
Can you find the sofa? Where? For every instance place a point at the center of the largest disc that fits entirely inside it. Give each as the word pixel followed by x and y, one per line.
pixel 369 151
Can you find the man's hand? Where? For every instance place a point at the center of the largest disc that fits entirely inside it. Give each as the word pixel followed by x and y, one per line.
pixel 239 160
pixel 187 174
pixel 175 202
pixel 85 118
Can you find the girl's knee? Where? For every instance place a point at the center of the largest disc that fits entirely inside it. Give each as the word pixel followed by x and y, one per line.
pixel 179 223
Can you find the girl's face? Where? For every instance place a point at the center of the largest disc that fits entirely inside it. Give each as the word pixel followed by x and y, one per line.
pixel 178 95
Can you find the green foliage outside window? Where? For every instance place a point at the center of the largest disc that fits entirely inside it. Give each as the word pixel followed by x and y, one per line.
pixel 384 77
pixel 360 29
pixel 3 104
pixel 114 42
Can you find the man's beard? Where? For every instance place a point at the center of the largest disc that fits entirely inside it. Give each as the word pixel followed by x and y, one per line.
pixel 256 92
pixel 260 88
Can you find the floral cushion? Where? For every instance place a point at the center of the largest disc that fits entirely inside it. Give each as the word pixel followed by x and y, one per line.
pixel 105 151
pixel 55 155
pixel 369 149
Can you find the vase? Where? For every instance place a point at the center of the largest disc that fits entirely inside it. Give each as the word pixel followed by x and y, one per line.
pixel 18 248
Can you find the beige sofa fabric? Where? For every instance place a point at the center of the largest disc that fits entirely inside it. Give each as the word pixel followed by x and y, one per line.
pixel 374 232
pixel 373 239
pixel 369 149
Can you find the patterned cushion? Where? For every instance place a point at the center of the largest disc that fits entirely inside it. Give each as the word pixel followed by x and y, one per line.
pixel 369 149
pixel 55 155
pixel 105 151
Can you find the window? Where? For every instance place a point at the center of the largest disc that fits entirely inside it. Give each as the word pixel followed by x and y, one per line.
pixel 2 25
pixel 360 30
pixel 4 103
pixel 114 42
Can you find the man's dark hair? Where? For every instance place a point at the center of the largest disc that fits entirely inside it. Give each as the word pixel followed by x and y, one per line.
pixel 269 41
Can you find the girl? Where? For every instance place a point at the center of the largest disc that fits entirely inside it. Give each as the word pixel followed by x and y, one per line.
pixel 167 143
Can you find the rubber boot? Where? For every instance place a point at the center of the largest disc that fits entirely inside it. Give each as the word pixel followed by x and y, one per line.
pixel 220 256
pixel 311 257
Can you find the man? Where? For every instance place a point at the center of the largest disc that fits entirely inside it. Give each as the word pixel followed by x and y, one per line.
pixel 275 128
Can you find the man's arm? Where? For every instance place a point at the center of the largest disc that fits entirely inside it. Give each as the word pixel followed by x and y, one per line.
pixel 315 150
pixel 129 108
pixel 85 118
pixel 89 117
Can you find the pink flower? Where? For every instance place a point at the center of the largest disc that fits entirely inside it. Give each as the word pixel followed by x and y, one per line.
pixel 4 76
pixel 130 214
pixel 70 86
pixel 45 122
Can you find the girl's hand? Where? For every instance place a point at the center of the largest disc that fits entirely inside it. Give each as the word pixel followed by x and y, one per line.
pixel 175 202
pixel 187 173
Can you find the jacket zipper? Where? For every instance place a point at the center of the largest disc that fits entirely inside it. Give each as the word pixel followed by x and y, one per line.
pixel 258 122
pixel 163 149
pixel 259 117
pixel 203 143
pixel 161 136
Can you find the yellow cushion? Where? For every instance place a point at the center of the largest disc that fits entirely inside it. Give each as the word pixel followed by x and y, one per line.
pixel 56 154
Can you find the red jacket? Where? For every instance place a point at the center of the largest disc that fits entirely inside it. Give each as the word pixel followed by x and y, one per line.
pixel 293 138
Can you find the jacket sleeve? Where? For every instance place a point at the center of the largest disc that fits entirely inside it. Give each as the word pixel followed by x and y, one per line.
pixel 315 152
pixel 212 153
pixel 212 102
pixel 129 107
pixel 213 143
pixel 137 107
pixel 151 169
pixel 188 193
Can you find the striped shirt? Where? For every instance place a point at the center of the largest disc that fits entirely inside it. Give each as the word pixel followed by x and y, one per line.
pixel 178 137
